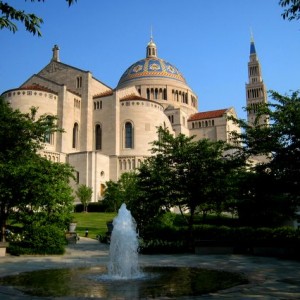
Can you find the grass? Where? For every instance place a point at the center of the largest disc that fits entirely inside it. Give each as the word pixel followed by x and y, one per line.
pixel 95 222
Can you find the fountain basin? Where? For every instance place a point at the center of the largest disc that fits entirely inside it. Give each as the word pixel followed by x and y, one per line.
pixel 154 282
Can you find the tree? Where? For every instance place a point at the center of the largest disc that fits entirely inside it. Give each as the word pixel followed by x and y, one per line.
pixel 30 21
pixel 122 191
pixel 278 178
pixel 32 189
pixel 112 199
pixel 84 194
pixel 292 11
pixel 185 173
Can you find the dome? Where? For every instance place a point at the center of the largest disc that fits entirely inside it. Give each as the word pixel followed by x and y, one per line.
pixel 151 67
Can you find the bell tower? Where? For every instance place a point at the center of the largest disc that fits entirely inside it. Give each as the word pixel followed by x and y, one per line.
pixel 256 93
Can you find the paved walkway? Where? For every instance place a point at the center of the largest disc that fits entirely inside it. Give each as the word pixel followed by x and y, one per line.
pixel 270 278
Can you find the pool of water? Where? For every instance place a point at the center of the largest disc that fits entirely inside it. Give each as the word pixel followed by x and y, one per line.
pixel 154 282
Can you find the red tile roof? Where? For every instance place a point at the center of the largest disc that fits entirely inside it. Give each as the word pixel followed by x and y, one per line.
pixel 208 115
pixel 133 97
pixel 104 94
pixel 36 87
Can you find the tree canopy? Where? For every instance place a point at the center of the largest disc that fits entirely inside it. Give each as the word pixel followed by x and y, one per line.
pixel 10 15
pixel 84 194
pixel 183 173
pixel 273 184
pixel 32 189
pixel 292 9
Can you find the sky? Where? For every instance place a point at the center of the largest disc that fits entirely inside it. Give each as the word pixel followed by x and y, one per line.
pixel 208 41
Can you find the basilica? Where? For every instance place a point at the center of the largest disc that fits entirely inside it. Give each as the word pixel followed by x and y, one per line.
pixel 108 131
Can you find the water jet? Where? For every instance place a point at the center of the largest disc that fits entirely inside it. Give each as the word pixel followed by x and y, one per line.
pixel 123 250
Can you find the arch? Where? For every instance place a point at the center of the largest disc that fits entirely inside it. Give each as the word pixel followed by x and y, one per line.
pixel 129 164
pixel 75 136
pixel 48 136
pixel 128 130
pixel 98 137
pixel 165 94
pixel 160 94
pixel 152 93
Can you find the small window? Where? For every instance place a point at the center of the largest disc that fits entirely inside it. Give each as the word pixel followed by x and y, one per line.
pixel 79 82
pixel 75 136
pixel 77 177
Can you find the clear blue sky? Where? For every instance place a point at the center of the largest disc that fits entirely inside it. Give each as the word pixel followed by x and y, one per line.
pixel 208 41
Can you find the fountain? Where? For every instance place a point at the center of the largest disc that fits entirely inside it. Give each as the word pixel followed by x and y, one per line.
pixel 122 279
pixel 123 254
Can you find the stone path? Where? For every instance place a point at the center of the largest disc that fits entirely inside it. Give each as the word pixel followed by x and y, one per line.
pixel 270 278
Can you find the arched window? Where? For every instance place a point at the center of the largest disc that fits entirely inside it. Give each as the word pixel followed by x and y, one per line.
pixel 152 93
pixel 148 94
pixel 98 137
pixel 128 135
pixel 75 136
pixel 48 137
pixel 165 94
pixel 156 94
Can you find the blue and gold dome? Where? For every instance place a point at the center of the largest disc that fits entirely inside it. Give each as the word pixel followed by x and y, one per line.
pixel 151 67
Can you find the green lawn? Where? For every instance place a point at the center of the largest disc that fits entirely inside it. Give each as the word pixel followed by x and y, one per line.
pixel 95 222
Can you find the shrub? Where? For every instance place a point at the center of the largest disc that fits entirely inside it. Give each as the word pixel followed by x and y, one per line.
pixel 160 238
pixel 45 239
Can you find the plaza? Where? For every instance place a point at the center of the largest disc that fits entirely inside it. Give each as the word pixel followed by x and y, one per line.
pixel 269 278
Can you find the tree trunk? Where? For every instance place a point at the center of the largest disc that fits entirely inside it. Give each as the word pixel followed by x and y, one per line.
pixel 191 240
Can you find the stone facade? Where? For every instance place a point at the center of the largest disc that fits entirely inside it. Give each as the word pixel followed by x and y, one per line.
pixel 108 131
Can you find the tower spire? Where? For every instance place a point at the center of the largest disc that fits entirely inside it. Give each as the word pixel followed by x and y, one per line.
pixel 252 44
pixel 256 92
pixel 151 34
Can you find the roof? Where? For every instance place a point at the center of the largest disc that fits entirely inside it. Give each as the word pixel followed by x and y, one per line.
pixel 133 97
pixel 208 114
pixel 104 94
pixel 151 68
pixel 252 48
pixel 35 87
